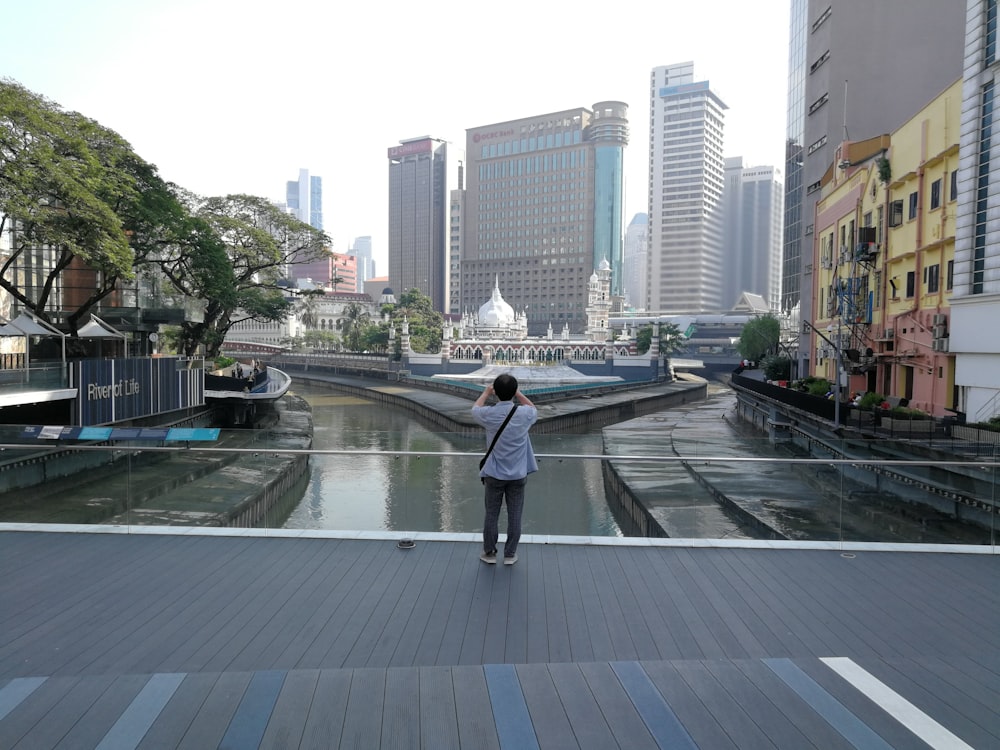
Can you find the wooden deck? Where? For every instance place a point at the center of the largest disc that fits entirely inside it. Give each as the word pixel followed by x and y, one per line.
pixel 116 640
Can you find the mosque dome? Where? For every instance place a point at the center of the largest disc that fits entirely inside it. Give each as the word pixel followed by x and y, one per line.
pixel 496 313
pixel 604 266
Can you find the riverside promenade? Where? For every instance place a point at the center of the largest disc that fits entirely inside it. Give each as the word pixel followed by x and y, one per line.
pixel 156 637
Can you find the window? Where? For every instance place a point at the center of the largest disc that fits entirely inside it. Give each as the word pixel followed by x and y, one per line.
pixel 953 190
pixel 932 275
pixel 911 283
pixel 895 213
pixel 913 206
pixel 936 194
pixel 991 32
pixel 950 275
pixel 818 103
pixel 826 14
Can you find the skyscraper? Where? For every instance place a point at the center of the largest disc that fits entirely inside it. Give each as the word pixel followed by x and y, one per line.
pixel 418 213
pixel 975 301
pixel 855 71
pixel 542 210
pixel 686 181
pixel 304 198
pixel 752 210
pixel 634 274
pixel 362 250
pixel 456 217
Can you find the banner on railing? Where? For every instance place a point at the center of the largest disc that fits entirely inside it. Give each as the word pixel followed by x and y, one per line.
pixel 112 390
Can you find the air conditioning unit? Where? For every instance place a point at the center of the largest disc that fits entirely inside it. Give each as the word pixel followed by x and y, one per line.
pixel 864 250
pixel 940 345
pixel 889 333
pixel 940 319
pixel 940 331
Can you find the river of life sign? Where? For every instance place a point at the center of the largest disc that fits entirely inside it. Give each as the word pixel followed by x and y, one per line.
pixel 112 390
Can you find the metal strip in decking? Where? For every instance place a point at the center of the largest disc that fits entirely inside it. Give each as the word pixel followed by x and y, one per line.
pixel 15 691
pixel 128 731
pixel 896 706
pixel 841 719
pixel 656 714
pixel 510 712
pixel 250 720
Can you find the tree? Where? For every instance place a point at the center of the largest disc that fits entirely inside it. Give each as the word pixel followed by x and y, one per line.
pixel 776 367
pixel 308 307
pixel 320 339
pixel 353 326
pixel 241 248
pixel 376 338
pixel 759 336
pixel 72 185
pixel 425 322
pixel 671 339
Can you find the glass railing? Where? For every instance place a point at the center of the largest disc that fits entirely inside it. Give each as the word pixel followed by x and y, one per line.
pixel 39 377
pixel 413 482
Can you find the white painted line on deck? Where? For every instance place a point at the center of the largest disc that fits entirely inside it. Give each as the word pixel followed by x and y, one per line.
pixel 896 705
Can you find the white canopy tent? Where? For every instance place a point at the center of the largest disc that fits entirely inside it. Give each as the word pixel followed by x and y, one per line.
pixel 28 325
pixel 98 329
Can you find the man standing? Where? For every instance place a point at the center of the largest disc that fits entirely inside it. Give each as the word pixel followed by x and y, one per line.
pixel 506 469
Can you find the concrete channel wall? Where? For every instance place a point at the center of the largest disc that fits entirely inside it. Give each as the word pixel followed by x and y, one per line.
pixel 556 412
pixel 960 492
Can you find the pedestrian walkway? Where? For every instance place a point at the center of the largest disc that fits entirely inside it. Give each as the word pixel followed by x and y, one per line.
pixel 296 640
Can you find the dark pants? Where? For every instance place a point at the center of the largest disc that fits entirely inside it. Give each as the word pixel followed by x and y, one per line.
pixel 496 491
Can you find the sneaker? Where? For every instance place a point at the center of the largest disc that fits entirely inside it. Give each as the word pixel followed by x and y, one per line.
pixel 489 558
pixel 509 559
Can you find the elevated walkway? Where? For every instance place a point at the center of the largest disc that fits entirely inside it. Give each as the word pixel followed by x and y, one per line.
pixel 296 640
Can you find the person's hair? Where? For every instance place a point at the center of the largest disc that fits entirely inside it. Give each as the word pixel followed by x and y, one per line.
pixel 505 386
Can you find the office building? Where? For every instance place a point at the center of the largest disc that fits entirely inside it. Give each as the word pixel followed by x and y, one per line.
pixel 856 69
pixel 542 210
pixel 975 300
pixel 304 199
pixel 634 267
pixel 418 213
pixel 456 214
pixel 686 182
pixel 337 272
pixel 362 250
pixel 752 210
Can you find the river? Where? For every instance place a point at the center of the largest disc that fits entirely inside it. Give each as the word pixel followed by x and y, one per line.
pixel 435 493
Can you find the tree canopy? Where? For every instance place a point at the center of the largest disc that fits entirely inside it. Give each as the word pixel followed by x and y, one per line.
pixel 671 339
pixel 74 186
pixel 78 190
pixel 760 336
pixel 424 321
pixel 240 248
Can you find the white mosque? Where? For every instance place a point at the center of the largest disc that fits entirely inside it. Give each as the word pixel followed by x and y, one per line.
pixel 496 339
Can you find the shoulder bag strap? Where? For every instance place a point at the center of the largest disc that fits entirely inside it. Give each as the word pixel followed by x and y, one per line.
pixel 497 436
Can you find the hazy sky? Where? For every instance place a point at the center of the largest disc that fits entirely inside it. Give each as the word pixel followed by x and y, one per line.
pixel 235 96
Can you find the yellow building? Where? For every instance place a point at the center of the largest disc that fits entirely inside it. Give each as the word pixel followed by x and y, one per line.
pixel 849 235
pixel 919 258
pixel 884 242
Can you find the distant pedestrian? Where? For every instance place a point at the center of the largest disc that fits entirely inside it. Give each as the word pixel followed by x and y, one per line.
pixel 505 471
